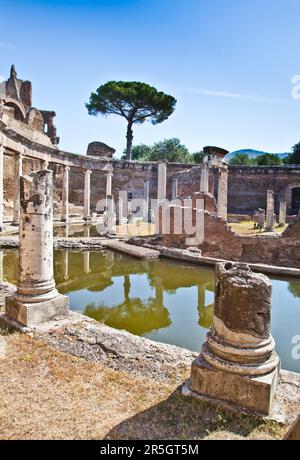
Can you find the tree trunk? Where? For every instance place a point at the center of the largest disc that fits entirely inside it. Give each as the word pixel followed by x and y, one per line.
pixel 129 137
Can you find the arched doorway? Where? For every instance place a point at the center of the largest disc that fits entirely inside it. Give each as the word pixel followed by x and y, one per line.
pixel 295 200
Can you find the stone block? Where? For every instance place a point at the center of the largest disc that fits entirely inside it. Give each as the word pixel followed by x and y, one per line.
pixel 253 393
pixel 31 314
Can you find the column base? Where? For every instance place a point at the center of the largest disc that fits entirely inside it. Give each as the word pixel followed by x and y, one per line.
pixel 252 393
pixel 31 314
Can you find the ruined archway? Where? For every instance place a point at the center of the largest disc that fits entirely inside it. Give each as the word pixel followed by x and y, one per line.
pixel 18 112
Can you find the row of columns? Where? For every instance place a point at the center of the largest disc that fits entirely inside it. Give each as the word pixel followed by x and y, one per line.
pixel 161 192
pixel 270 213
pixel 65 190
pixel 204 186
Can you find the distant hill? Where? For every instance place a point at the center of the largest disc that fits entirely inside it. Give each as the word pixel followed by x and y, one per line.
pixel 253 153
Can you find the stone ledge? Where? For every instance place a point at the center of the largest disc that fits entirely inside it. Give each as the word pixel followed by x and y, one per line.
pixel 84 337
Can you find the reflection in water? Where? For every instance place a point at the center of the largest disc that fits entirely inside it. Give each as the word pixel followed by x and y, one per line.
pixel 133 314
pixel 75 231
pixel 160 299
pixel 294 288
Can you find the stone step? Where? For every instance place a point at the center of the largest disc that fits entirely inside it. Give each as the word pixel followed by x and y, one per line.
pixel 134 251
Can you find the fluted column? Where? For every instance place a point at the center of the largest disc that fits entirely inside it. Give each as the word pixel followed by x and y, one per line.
pixel 65 195
pixel 87 195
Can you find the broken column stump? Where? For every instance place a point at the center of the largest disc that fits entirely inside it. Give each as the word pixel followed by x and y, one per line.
pixel 36 300
pixel 238 362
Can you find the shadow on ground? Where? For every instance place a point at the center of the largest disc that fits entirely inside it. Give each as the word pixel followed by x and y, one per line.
pixel 180 418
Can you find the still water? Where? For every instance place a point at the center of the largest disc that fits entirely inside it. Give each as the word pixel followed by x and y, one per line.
pixel 163 300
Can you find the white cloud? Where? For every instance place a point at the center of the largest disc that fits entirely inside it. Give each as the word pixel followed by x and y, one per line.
pixel 7 46
pixel 240 96
pixel 2 78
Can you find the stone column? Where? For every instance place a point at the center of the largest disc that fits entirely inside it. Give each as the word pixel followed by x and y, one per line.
pixel 282 212
pixel 36 299
pixel 120 209
pixel 222 193
pixel 109 181
pixel 18 174
pixel 238 362
pixel 261 218
pixel 174 188
pixel 1 188
pixel 204 178
pixel 270 211
pixel 65 195
pixel 45 164
pixel 1 266
pixel 146 200
pixel 162 181
pixel 87 196
pixel 109 216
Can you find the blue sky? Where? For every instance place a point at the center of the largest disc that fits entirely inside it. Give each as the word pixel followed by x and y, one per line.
pixel 229 63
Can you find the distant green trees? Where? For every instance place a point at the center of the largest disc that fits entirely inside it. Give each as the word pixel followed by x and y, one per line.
pixel 171 150
pixel 241 159
pixel 267 159
pixel 294 156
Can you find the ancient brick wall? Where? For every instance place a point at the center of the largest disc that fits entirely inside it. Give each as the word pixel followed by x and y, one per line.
pixel 247 186
pixel 221 242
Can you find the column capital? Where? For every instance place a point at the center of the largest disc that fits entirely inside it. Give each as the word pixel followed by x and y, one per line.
pixel 87 171
pixel 67 168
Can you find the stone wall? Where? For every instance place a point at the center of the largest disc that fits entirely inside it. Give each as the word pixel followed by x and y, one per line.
pixel 247 186
pixel 221 242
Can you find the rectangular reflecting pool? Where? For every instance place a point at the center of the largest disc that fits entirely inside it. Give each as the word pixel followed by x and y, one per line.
pixel 163 300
